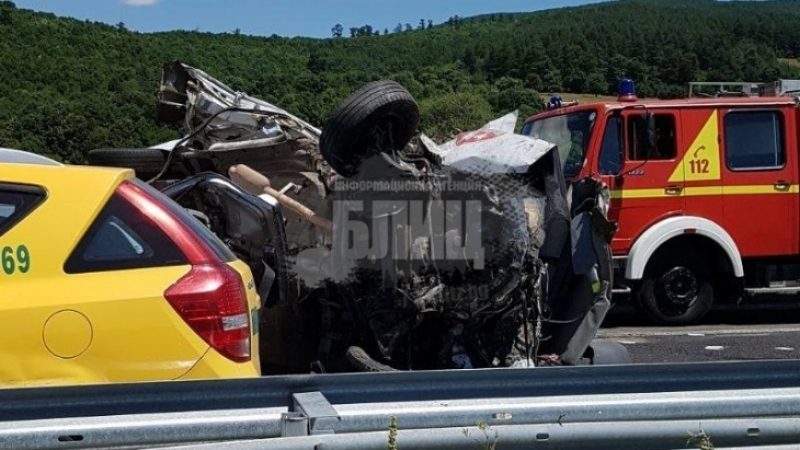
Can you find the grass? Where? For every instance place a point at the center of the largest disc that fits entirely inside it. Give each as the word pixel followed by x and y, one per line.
pixel 700 440
pixel 393 434
pixel 593 98
pixel 789 62
pixel 582 98
pixel 488 442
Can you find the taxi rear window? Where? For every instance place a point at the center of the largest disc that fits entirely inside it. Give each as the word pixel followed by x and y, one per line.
pixel 217 246
pixel 122 238
pixel 16 202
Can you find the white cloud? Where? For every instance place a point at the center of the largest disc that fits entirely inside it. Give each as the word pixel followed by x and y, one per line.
pixel 140 2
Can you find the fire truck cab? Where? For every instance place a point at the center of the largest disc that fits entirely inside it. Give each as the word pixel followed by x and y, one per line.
pixel 704 192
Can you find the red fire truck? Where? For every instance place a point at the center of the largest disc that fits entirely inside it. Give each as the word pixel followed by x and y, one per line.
pixel 704 191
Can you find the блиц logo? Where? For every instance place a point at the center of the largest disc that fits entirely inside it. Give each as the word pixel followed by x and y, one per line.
pixel 431 232
pixel 453 228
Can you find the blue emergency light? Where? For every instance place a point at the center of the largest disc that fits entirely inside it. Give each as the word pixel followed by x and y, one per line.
pixel 555 102
pixel 627 90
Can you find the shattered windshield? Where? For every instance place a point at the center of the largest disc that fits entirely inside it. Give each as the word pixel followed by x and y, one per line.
pixel 570 132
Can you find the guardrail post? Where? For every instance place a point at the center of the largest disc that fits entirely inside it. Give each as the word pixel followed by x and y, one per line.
pixel 310 413
pixel 294 424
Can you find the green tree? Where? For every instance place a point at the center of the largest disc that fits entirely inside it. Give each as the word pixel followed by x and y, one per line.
pixel 446 115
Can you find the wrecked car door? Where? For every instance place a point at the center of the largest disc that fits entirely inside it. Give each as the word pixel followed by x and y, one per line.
pixel 574 226
pixel 251 226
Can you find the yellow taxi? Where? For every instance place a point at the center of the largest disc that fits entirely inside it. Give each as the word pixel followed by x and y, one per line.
pixel 105 279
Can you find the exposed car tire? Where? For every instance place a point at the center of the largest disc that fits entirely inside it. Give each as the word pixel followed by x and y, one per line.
pixel 348 134
pixel 677 290
pixel 362 362
pixel 146 162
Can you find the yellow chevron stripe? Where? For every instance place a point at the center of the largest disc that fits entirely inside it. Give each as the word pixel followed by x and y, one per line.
pixel 698 191
pixel 701 161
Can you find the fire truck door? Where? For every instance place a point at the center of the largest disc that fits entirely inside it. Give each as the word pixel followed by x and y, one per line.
pixel 701 163
pixel 646 187
pixel 759 181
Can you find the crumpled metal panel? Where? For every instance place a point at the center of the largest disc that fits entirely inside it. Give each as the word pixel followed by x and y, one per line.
pixel 493 149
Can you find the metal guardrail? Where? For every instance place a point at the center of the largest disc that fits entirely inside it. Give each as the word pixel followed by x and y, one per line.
pixel 148 398
pixel 770 416
pixel 744 404
pixel 579 436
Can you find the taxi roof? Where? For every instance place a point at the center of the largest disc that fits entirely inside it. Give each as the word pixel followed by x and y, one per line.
pixel 13 156
pixel 20 166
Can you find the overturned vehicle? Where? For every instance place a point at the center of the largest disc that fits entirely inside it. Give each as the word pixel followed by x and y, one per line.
pixel 374 248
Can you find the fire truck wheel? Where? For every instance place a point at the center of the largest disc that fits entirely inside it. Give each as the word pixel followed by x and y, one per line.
pixel 677 291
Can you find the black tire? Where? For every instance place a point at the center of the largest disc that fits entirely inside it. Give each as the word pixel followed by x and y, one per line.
pixel 347 138
pixel 676 290
pixel 146 162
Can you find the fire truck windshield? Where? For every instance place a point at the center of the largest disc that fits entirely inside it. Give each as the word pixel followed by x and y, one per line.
pixel 570 132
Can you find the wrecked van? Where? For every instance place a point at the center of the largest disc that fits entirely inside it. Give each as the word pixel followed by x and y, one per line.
pixel 375 248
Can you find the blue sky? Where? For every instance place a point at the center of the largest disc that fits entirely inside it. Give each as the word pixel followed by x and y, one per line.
pixel 313 18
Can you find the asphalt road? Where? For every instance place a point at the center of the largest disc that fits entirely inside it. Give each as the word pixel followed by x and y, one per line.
pixel 723 336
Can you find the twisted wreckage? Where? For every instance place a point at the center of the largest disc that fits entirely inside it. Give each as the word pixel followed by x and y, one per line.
pixel 377 249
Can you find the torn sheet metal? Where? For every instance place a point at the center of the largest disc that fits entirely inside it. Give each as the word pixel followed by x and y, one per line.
pixel 493 148
pixel 207 95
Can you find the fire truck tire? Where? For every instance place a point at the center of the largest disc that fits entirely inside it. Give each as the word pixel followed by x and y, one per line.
pixel 349 132
pixel 676 291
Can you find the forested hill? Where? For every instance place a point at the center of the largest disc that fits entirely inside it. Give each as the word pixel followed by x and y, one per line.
pixel 68 86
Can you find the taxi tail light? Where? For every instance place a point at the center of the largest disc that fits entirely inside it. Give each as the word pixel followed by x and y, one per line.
pixel 211 298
